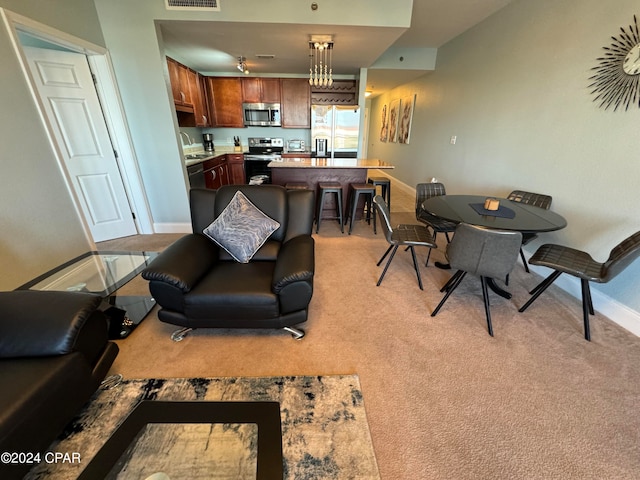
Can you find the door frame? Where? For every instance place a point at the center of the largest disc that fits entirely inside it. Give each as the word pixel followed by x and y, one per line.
pixel 112 109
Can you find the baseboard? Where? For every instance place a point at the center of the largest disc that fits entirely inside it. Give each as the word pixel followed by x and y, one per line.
pixel 172 227
pixel 615 311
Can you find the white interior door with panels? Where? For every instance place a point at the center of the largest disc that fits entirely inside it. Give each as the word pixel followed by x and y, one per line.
pixel 65 86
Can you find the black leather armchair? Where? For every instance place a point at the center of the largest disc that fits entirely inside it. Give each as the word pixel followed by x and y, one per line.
pixel 199 285
pixel 54 353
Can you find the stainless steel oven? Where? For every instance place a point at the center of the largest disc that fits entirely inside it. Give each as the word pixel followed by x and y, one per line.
pixel 262 150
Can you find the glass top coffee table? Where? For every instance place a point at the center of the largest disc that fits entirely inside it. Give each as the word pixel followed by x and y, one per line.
pixel 103 273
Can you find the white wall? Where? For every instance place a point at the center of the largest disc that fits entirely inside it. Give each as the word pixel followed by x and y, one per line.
pixel 514 92
pixel 39 226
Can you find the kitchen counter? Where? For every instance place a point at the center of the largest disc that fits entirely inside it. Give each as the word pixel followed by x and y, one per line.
pixel 219 151
pixel 329 163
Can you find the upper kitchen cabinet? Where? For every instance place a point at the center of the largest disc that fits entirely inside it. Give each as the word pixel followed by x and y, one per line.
pixel 188 95
pixel 261 90
pixel 225 101
pixel 341 92
pixel 198 96
pixel 296 103
pixel 178 75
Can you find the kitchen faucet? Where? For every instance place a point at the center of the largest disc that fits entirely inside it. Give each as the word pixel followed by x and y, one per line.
pixel 189 139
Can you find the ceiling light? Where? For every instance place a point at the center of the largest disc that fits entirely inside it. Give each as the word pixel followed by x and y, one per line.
pixel 367 93
pixel 242 65
pixel 320 53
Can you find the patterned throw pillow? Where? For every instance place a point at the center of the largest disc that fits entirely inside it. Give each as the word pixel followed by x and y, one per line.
pixel 241 229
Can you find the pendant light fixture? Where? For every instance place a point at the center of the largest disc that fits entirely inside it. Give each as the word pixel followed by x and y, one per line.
pixel 320 56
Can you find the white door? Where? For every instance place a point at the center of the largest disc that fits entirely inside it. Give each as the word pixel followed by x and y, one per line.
pixel 65 86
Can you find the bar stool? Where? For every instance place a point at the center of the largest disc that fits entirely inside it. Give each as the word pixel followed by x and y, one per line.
pixel 385 184
pixel 326 188
pixel 368 191
pixel 296 186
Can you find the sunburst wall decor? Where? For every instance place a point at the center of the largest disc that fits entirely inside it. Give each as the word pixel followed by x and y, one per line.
pixel 616 82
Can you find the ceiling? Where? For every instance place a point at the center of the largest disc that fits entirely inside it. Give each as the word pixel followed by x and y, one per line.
pixel 213 47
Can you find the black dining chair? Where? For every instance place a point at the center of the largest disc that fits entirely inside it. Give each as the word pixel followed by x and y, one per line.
pixel 581 265
pixel 536 200
pixel 483 252
pixel 424 191
pixel 404 234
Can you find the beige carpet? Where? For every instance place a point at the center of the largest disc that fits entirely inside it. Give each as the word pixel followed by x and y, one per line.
pixel 444 399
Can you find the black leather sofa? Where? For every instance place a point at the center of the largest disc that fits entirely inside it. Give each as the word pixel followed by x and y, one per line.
pixel 199 285
pixel 54 353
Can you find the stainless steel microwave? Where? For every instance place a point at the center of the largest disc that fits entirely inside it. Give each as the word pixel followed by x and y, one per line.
pixel 261 114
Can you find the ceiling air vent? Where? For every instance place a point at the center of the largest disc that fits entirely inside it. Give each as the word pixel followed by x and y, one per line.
pixel 209 5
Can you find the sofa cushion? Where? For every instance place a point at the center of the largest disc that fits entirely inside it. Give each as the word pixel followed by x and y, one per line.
pixel 241 229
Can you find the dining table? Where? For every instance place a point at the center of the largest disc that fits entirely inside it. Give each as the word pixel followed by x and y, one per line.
pixel 507 215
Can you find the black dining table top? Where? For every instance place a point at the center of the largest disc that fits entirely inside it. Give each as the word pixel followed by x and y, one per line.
pixel 526 218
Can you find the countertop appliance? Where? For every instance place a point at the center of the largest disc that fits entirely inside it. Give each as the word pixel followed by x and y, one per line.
pixel 339 125
pixel 262 150
pixel 261 114
pixel 207 142
pixel 296 146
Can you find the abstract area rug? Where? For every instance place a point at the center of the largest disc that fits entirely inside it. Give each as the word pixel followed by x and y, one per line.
pixel 325 434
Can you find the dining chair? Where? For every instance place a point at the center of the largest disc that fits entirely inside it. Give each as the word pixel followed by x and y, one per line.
pixel 536 200
pixel 404 234
pixel 483 252
pixel 581 265
pixel 425 191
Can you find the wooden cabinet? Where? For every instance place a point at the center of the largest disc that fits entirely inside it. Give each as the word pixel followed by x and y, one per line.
pixel 296 103
pixel 235 165
pixel 216 172
pixel 225 101
pixel 188 95
pixel 179 78
pixel 198 97
pixel 261 90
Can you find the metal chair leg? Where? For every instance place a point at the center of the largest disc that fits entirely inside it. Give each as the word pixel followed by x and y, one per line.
pixel 524 261
pixel 296 333
pixel 487 308
pixel 383 256
pixel 393 252
pixel 459 275
pixel 415 266
pixel 587 307
pixel 538 289
pixel 178 335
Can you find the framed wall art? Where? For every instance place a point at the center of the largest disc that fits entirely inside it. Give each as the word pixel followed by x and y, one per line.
pixel 384 129
pixel 394 112
pixel 407 105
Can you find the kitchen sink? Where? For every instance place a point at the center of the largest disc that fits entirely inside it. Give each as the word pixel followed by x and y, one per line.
pixel 193 156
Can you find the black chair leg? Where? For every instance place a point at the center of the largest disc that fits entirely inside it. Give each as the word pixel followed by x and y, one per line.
pixel 524 261
pixel 487 309
pixel 426 264
pixel 538 289
pixel 451 281
pixel 459 275
pixel 393 252
pixel 384 256
pixel 587 307
pixel 415 266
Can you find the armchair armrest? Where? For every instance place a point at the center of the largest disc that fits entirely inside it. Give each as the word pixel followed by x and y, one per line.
pixel 183 263
pixel 44 323
pixel 295 262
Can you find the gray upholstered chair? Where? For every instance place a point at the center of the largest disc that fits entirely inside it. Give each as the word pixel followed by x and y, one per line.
pixel 483 252
pixel 404 234
pixel 580 264
pixel 425 191
pixel 536 200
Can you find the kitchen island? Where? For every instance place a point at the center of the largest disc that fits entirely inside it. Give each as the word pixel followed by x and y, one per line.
pixel 316 169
